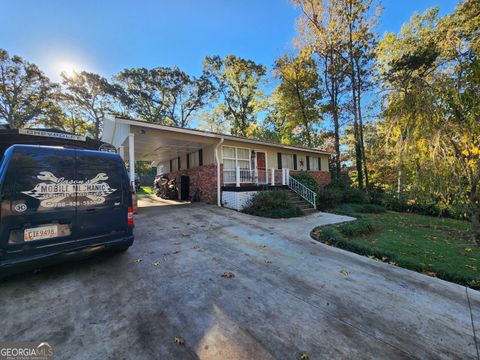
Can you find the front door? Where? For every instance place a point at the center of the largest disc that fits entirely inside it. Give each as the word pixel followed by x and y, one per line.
pixel 261 168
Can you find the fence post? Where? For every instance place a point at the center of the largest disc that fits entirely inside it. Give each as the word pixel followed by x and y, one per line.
pixel 273 177
pixel 237 176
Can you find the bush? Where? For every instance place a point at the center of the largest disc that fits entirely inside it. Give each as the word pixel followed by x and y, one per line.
pixel 363 226
pixel 340 191
pixel 372 208
pixel 307 180
pixel 273 204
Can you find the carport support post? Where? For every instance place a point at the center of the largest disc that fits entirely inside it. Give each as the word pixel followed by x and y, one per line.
pixel 131 158
pixel 273 177
pixel 237 176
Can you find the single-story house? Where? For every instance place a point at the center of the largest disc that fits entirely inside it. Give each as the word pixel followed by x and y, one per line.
pixel 219 166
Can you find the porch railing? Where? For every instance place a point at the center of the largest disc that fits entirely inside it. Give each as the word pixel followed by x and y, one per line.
pixel 304 192
pixel 239 176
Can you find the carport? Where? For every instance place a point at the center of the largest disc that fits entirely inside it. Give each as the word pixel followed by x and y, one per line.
pixel 142 141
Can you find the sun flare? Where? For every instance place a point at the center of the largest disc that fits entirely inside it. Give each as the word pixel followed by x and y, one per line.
pixel 68 68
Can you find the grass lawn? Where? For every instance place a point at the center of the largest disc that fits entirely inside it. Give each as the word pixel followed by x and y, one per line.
pixel 435 246
pixel 145 190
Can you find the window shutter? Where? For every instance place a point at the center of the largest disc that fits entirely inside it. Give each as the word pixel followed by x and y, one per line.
pixel 319 163
pixel 279 160
pixel 308 163
pixel 171 166
pixel 200 157
pixel 294 161
pixel 188 161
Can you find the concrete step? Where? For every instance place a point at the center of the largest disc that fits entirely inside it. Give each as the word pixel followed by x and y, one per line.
pixel 309 211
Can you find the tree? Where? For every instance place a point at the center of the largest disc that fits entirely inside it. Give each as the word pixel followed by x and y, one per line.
pixel 26 94
pixel 298 99
pixel 237 82
pixel 88 96
pixel 322 32
pixel 431 74
pixel 162 95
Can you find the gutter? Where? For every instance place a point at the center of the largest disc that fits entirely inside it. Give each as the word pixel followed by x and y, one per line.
pixel 217 159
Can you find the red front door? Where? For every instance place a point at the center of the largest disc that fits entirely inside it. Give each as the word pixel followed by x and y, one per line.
pixel 261 168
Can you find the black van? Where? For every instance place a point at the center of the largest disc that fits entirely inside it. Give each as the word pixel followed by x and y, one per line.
pixel 58 204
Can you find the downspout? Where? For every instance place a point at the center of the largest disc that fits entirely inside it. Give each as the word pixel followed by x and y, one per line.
pixel 217 159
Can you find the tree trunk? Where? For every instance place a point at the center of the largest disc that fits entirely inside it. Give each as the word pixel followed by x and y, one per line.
pixel 337 142
pixel 475 213
pixel 358 148
pixel 360 124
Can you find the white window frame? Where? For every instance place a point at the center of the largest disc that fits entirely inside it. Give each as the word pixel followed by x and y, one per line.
pixel 231 172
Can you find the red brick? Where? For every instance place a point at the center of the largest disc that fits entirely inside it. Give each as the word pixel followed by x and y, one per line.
pixel 203 178
pixel 322 178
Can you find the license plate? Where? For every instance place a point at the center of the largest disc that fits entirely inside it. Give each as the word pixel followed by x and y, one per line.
pixel 41 232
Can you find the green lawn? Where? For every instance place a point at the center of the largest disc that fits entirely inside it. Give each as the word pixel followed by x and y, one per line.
pixel 145 190
pixel 436 246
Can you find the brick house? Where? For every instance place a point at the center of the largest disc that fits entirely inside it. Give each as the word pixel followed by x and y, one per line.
pixel 222 168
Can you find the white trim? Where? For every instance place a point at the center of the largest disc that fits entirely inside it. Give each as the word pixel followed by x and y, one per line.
pixel 213 135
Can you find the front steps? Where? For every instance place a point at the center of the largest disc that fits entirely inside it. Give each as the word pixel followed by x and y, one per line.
pixel 301 203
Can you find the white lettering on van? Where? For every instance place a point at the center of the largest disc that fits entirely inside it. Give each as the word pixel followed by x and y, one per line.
pixel 52 191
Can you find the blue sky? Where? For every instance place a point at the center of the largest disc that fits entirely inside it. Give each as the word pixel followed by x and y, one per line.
pixel 106 36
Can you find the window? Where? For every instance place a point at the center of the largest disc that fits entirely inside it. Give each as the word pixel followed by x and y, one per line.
pixel 314 163
pixel 233 157
pixel 287 161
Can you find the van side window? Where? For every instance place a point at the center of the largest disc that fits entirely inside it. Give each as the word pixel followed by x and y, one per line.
pixel 36 180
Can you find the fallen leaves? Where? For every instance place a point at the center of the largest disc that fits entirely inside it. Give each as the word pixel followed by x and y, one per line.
pixel 344 272
pixel 304 356
pixel 156 263
pixel 179 340
pixel 228 275
pixel 136 261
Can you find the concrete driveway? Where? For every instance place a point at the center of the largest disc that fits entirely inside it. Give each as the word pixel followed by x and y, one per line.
pixel 289 295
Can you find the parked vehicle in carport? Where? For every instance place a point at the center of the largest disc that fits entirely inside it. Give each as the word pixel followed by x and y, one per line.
pixel 59 204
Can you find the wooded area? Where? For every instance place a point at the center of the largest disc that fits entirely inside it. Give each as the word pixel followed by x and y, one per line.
pixel 400 113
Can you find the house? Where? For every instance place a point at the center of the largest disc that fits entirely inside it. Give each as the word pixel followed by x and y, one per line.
pixel 223 169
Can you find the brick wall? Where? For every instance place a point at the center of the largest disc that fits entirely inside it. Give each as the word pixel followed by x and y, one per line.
pixel 203 178
pixel 322 178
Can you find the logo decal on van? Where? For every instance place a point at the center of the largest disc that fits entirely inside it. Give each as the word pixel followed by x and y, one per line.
pixel 55 192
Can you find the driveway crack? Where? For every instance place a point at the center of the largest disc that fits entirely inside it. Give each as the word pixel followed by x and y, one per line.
pixel 473 324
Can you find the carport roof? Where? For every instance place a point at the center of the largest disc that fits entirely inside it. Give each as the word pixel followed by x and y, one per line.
pixel 111 135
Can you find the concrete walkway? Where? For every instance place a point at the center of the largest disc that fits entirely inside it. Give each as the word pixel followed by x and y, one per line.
pixel 289 295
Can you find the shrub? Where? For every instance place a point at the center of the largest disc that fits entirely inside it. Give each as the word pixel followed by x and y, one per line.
pixel 340 191
pixel 273 204
pixel 307 180
pixel 363 226
pixel 372 208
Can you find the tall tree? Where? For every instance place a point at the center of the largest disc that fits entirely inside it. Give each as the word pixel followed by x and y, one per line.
pixel 89 95
pixel 359 17
pixel 26 95
pixel 237 83
pixel 322 32
pixel 298 99
pixel 162 95
pixel 431 74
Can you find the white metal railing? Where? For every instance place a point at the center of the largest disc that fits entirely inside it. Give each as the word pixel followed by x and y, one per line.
pixel 273 177
pixel 303 191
